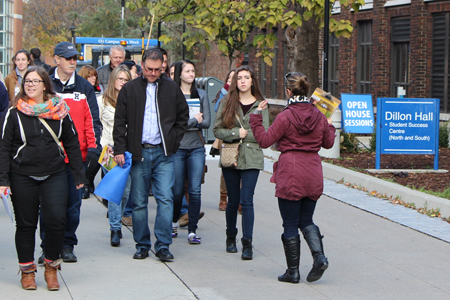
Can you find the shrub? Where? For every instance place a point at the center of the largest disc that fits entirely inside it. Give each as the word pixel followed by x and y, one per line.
pixel 349 143
pixel 443 135
pixel 373 140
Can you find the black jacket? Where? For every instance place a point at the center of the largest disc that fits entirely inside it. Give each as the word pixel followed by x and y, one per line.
pixel 27 147
pixel 172 110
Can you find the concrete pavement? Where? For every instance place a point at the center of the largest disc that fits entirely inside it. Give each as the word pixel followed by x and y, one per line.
pixel 370 256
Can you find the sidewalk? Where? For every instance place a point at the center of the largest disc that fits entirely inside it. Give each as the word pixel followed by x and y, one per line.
pixel 370 256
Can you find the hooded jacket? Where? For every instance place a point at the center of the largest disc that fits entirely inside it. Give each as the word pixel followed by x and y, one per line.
pixel 299 131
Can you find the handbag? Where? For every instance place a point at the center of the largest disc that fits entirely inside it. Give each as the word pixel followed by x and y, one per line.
pixel 215 148
pixel 230 152
pixel 205 167
pixel 50 130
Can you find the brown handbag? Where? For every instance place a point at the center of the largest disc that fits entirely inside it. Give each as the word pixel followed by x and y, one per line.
pixel 230 152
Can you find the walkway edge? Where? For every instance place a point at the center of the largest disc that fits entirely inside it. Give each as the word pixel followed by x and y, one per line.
pixel 420 199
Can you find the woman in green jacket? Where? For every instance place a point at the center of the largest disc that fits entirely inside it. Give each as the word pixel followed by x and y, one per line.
pixel 232 125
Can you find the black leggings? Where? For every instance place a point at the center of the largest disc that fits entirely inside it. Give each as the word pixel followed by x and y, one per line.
pixel 27 194
pixel 296 214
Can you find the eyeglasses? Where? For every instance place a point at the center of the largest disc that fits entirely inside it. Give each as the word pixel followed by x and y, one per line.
pixel 152 70
pixel 286 77
pixel 125 80
pixel 34 82
pixel 75 57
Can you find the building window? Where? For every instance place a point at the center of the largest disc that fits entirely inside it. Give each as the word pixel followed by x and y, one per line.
pixel 364 58
pixel 6 10
pixel 262 79
pixel 333 66
pixel 440 65
pixel 400 57
pixel 273 89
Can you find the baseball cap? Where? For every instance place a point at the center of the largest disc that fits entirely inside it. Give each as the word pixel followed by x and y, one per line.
pixel 66 49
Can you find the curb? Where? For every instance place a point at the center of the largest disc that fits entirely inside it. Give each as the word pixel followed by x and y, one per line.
pixel 408 195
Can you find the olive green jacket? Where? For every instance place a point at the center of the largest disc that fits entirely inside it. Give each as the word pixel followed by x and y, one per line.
pixel 250 153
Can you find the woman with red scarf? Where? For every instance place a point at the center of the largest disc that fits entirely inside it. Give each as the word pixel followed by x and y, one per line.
pixel 33 170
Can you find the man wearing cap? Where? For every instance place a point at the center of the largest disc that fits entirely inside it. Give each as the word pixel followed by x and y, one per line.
pixel 79 95
pixel 116 57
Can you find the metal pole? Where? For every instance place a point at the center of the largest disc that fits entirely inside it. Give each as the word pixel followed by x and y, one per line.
pixel 184 30
pixel 326 36
pixel 159 33
pixel 123 12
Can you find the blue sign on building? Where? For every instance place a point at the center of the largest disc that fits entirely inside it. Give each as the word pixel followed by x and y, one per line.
pixel 407 126
pixel 357 113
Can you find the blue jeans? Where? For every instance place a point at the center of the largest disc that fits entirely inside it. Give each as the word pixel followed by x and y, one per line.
pixel 188 162
pixel 115 211
pixel 241 188
pixel 296 214
pixel 154 170
pixel 129 207
pixel 73 211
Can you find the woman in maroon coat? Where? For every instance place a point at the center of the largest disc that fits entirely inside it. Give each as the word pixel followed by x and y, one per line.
pixel 300 130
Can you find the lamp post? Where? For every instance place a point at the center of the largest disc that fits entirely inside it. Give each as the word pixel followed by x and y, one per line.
pixel 72 29
pixel 326 36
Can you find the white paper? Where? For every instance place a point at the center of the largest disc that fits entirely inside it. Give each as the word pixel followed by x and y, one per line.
pixel 6 205
pixel 194 107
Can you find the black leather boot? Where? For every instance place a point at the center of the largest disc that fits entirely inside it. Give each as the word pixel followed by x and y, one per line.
pixel 115 237
pixel 292 252
pixel 231 242
pixel 247 251
pixel 314 239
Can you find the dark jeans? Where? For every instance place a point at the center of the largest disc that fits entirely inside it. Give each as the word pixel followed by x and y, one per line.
pixel 188 162
pixel 296 214
pixel 72 214
pixel 27 195
pixel 241 188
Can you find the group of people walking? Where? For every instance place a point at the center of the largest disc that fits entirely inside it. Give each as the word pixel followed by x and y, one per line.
pixel 147 114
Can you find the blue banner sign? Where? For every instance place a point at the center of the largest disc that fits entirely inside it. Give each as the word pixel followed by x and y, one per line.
pixel 407 126
pixel 114 41
pixel 357 113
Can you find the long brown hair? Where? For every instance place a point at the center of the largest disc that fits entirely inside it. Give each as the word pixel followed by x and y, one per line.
pixel 49 93
pixel 110 94
pixel 27 54
pixel 232 103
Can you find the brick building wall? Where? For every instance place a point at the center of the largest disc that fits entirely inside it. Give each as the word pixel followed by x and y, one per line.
pixel 213 63
pixel 17 26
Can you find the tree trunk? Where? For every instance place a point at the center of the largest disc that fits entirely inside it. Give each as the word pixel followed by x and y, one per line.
pixel 303 49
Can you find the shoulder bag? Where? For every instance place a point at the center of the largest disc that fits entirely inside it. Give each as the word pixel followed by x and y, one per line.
pixel 50 130
pixel 230 152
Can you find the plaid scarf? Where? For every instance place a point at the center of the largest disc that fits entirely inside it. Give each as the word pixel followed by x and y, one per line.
pixel 53 109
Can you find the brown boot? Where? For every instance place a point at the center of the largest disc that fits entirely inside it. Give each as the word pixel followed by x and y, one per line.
pixel 223 202
pixel 27 281
pixel 240 209
pixel 51 275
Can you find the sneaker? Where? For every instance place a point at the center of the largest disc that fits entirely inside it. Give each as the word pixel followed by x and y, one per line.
pixel 68 256
pixel 41 258
pixel 174 232
pixel 193 239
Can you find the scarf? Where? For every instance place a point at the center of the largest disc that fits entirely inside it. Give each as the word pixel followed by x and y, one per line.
pixel 226 86
pixel 296 99
pixel 53 109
